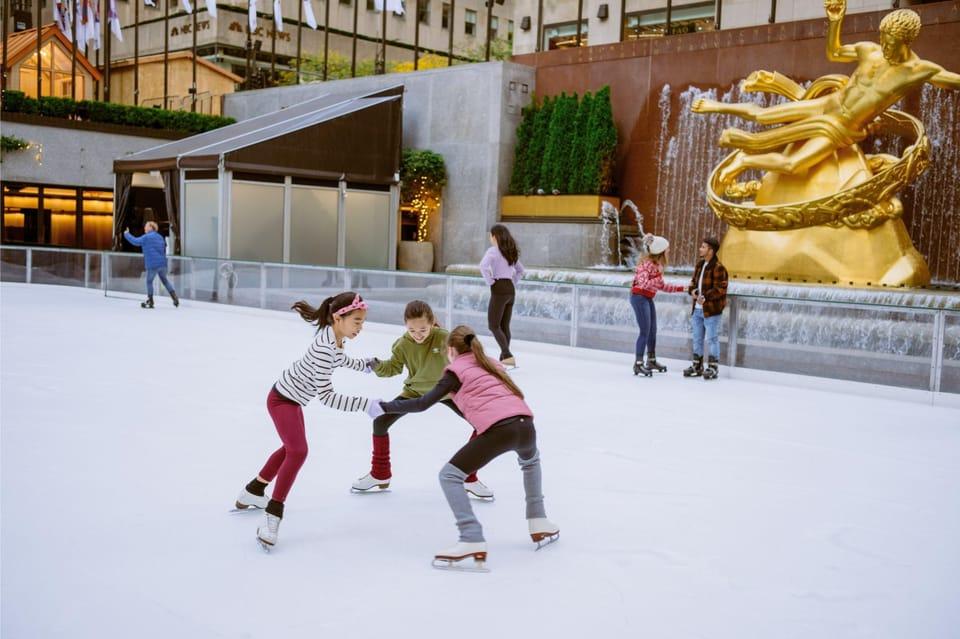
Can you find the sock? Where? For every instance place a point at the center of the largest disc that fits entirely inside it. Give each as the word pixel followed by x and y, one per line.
pixel 275 508
pixel 255 487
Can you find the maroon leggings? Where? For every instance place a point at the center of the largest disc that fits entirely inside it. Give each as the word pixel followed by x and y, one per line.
pixel 285 462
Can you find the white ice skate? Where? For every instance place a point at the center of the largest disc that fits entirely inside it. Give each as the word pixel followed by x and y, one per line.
pixel 479 490
pixel 248 501
pixel 455 558
pixel 368 482
pixel 543 531
pixel 267 533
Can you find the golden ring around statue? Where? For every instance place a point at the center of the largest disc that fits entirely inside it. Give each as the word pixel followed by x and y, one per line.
pixel 862 206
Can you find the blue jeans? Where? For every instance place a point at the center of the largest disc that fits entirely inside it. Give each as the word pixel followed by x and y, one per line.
pixel 646 314
pixel 162 272
pixel 710 325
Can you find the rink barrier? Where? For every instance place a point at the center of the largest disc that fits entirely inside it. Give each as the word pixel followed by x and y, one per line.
pixel 913 347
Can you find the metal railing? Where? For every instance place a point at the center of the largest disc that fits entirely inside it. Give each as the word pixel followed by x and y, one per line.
pixel 907 347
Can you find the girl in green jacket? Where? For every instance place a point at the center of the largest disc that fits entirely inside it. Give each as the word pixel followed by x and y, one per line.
pixel 423 350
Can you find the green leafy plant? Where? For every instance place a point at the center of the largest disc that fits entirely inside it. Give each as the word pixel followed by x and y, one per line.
pixel 534 169
pixel 601 145
pixel 109 113
pixel 10 143
pixel 578 147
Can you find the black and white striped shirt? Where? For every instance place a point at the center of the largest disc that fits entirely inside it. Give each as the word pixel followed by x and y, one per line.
pixel 309 376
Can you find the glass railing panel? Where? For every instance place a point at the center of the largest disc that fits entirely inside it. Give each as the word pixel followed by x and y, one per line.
pixel 13 264
pixel 950 364
pixel 840 341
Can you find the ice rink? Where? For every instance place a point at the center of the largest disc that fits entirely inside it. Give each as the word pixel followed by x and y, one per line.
pixel 688 509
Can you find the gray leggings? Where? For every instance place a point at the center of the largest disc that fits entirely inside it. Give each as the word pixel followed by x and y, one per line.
pixel 515 434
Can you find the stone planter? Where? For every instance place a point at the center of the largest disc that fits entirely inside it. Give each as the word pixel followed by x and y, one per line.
pixel 554 206
pixel 415 256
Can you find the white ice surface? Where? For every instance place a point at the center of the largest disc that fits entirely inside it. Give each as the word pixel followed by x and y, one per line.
pixel 688 509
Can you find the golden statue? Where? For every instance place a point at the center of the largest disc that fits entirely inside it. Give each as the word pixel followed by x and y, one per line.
pixel 823 211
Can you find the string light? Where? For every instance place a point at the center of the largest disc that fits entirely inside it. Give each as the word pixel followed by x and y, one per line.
pixel 425 202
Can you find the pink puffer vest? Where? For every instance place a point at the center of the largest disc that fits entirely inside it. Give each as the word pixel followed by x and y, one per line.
pixel 483 399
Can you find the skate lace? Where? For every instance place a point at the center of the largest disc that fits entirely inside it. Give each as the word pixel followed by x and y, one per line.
pixel 273 524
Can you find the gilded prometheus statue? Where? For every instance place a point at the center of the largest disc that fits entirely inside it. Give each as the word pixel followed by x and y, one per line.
pixel 823 211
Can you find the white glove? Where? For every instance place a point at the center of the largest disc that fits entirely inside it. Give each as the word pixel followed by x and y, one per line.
pixel 374 409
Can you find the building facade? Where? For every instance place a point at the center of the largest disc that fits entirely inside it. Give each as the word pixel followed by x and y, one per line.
pixel 544 25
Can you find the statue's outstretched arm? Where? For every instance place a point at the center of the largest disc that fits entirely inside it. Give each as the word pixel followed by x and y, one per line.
pixel 837 52
pixel 946 80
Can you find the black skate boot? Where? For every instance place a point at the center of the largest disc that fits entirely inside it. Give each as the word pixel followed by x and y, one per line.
pixel 148 303
pixel 640 369
pixel 713 368
pixel 176 300
pixel 695 369
pixel 653 365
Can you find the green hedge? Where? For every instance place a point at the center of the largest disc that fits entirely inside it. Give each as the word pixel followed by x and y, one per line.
pixel 109 113
pixel 567 145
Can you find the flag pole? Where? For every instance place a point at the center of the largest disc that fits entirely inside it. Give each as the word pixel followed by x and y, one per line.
pixel 383 41
pixel 136 52
pixel 453 12
pixel 193 87
pixel 73 54
pixel 105 45
pixel 299 36
pixel 326 36
pixel 166 48
pixel 273 46
pixel 416 37
pixel 39 58
pixel 353 58
pixel 6 21
pixel 486 56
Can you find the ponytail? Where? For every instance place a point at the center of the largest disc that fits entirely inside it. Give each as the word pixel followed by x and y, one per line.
pixel 323 316
pixel 462 339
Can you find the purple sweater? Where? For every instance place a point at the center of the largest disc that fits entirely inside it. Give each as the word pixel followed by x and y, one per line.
pixel 494 267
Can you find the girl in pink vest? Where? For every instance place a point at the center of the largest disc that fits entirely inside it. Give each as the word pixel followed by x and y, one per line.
pixel 494 406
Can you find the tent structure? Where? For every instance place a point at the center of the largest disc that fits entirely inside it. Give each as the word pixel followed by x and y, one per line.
pixel 314 183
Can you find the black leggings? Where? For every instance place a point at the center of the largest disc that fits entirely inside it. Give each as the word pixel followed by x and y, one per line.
pixel 502 295
pixel 515 433
pixel 383 423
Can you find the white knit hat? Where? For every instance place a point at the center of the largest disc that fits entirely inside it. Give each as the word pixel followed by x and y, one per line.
pixel 658 245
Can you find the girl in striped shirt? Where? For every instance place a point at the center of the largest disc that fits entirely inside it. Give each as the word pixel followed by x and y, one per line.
pixel 339 317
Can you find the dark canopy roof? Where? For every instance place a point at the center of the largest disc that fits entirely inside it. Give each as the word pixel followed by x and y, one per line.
pixel 357 136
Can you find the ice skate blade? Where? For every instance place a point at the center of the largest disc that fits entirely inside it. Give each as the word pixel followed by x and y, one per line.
pixel 248 509
pixel 264 545
pixel 544 539
pixel 459 565
pixel 370 491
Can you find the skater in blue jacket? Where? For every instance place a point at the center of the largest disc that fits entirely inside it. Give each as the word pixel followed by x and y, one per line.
pixel 154 259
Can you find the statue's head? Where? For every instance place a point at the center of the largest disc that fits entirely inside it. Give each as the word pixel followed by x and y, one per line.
pixel 898 29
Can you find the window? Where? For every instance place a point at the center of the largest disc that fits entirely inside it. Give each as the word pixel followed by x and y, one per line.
pixel 371 6
pixel 684 19
pixel 494 26
pixel 56 77
pixel 509 30
pixel 57 216
pixel 470 22
pixel 424 16
pixel 564 36
pixel 445 16
pixel 346 2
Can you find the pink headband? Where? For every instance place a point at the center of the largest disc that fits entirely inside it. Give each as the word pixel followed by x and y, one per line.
pixel 356 305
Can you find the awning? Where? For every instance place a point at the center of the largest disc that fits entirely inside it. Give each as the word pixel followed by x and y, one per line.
pixel 355 136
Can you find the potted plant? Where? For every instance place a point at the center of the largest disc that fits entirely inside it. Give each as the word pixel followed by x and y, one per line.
pixel 423 175
pixel 564 157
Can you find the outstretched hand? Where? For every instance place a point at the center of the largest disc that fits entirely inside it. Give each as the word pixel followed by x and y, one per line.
pixel 836 9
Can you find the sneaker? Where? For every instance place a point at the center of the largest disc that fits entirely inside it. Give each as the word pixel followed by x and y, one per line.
pixel 267 533
pixel 478 489
pixel 246 500
pixel 368 482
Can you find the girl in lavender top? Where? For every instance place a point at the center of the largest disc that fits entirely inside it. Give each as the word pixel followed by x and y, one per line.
pixel 501 269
